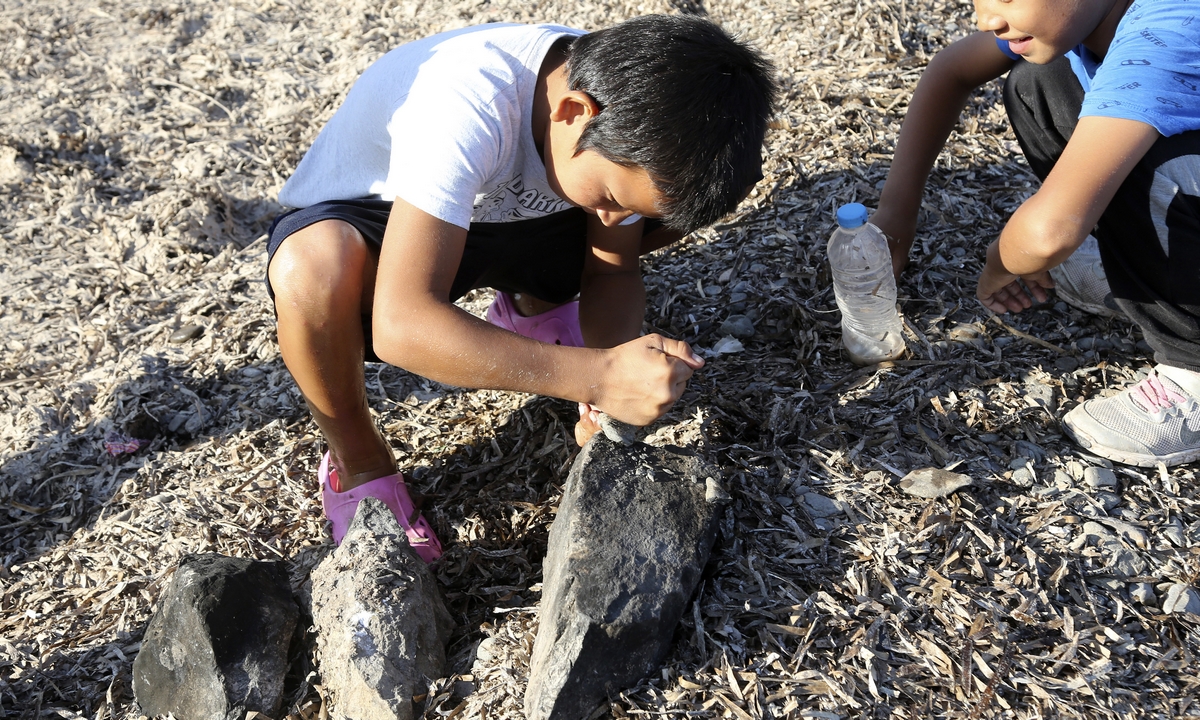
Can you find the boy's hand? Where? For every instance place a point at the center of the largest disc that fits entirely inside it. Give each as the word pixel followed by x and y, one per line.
pixel 1000 291
pixel 644 379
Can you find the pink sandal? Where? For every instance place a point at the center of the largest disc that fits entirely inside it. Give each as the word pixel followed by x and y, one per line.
pixel 559 326
pixel 341 506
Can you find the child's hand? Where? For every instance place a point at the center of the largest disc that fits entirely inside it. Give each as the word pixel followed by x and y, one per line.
pixel 1000 291
pixel 645 377
pixel 588 425
pixel 900 228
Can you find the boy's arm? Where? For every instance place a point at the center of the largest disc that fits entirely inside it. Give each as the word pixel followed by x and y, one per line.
pixel 952 75
pixel 1049 226
pixel 612 298
pixel 416 327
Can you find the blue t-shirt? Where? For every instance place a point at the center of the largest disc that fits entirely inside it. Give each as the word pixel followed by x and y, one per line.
pixel 1151 72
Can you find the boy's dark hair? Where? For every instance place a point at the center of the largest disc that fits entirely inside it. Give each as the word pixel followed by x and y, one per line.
pixel 682 100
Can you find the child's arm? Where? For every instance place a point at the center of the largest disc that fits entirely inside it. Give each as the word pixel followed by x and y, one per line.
pixel 1049 226
pixel 952 75
pixel 612 298
pixel 417 328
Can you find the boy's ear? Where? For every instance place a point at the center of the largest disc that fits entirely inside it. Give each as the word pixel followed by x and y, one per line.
pixel 574 106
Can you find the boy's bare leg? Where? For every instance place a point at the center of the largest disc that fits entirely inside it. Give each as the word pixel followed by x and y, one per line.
pixel 323 277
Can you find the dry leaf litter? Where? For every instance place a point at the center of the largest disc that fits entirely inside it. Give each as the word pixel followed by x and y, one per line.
pixel 145 413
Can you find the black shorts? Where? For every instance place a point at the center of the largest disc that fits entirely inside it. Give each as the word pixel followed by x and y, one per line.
pixel 542 257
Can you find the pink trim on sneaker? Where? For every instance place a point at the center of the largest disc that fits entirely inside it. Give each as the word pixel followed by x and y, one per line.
pixel 341 506
pixel 1152 396
pixel 559 326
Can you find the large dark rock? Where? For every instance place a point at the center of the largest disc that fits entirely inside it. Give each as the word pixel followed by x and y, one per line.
pixel 381 625
pixel 626 552
pixel 217 645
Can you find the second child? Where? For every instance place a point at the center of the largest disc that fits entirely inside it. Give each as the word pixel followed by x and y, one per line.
pixel 1104 99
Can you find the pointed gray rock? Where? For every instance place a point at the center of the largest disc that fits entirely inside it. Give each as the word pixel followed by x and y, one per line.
pixel 626 552
pixel 217 645
pixel 381 624
pixel 933 482
pixel 1142 593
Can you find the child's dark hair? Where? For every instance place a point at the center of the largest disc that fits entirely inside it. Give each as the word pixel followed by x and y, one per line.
pixel 682 100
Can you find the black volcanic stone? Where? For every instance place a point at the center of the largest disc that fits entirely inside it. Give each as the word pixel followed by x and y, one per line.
pixel 217 644
pixel 626 553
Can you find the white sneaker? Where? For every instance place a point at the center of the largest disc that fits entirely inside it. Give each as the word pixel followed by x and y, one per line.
pixel 1080 280
pixel 1155 420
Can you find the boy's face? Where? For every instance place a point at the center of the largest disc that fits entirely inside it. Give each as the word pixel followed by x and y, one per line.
pixel 1041 30
pixel 588 180
pixel 600 186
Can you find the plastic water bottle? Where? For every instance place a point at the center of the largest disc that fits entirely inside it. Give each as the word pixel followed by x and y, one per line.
pixel 865 288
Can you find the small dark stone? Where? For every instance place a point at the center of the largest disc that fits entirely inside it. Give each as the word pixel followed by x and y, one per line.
pixel 187 332
pixel 625 556
pixel 1108 500
pixel 217 644
pixel 820 506
pixel 1067 363
pixel 738 326
pixel 1098 477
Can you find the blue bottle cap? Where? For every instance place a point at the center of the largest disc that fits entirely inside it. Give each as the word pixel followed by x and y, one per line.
pixel 852 215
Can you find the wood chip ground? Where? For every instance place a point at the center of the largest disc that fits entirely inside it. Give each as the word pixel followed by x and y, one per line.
pixel 141 148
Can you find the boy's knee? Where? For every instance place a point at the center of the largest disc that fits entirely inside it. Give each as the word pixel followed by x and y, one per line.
pixel 328 257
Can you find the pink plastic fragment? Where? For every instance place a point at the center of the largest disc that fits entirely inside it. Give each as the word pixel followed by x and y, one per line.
pixel 117 444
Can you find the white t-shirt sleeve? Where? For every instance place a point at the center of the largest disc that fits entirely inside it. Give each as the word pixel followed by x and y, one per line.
pixel 440 160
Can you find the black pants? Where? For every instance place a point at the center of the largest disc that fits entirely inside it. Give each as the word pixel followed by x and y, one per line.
pixel 1149 235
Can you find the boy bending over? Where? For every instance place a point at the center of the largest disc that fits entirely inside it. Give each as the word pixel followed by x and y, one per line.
pixel 537 160
pixel 1103 98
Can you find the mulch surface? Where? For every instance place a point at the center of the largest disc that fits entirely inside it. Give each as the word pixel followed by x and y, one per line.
pixel 145 412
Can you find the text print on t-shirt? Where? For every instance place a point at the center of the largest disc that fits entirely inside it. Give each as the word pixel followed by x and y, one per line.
pixel 512 201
